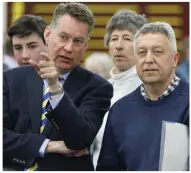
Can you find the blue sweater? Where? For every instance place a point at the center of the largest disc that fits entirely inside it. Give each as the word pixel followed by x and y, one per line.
pixel 132 136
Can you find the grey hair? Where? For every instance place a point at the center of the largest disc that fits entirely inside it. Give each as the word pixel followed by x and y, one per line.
pixel 122 20
pixel 97 59
pixel 77 10
pixel 158 27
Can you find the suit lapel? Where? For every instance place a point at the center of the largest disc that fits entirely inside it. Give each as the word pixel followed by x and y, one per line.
pixel 35 93
pixel 75 80
pixel 71 86
pixel 48 128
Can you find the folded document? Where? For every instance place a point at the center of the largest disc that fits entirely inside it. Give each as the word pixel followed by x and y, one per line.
pixel 174 152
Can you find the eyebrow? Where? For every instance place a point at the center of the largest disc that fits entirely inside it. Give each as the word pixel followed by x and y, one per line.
pixel 159 46
pixel 127 35
pixel 153 47
pixel 77 37
pixel 124 35
pixel 14 45
pixel 114 35
pixel 62 33
pixel 33 42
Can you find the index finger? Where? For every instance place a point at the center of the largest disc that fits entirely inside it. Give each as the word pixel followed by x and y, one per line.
pixel 45 56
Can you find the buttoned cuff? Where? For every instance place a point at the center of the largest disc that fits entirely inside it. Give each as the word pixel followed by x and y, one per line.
pixel 43 147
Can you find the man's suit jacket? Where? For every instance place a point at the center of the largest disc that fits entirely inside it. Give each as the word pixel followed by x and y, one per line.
pixel 76 119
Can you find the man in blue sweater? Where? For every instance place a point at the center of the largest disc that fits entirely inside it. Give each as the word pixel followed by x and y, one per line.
pixel 134 137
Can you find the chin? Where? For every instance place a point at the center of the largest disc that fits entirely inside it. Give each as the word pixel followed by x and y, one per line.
pixel 121 67
pixel 63 67
pixel 150 80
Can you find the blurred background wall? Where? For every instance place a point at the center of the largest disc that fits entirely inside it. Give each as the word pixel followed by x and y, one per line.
pixel 176 13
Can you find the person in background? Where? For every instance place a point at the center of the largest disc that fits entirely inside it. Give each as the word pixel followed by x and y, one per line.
pixel 53 109
pixel 99 63
pixel 119 37
pixel 183 69
pixel 5 67
pixel 8 55
pixel 27 37
pixel 143 128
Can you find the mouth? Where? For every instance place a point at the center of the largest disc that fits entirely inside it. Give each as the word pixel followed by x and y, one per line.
pixel 25 63
pixel 64 58
pixel 119 57
pixel 150 70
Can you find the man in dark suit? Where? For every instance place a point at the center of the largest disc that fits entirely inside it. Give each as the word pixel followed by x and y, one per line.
pixel 49 124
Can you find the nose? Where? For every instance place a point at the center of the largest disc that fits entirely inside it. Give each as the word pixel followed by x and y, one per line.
pixel 119 44
pixel 68 46
pixel 149 58
pixel 25 54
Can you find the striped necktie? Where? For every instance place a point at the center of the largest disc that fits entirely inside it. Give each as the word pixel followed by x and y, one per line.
pixel 60 78
pixel 44 103
pixel 43 122
pixel 43 118
pixel 44 112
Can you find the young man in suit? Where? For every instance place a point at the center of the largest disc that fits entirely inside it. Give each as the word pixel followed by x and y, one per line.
pixel 50 123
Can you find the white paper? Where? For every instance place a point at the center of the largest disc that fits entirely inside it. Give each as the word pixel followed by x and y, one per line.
pixel 174 150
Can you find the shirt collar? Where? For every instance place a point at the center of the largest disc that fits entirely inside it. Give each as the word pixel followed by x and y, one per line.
pixel 65 75
pixel 173 84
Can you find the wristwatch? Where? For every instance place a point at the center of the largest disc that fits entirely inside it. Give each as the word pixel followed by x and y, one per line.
pixel 59 91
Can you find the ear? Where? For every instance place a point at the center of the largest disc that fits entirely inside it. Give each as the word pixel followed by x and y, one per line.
pixel 86 46
pixel 47 33
pixel 175 59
